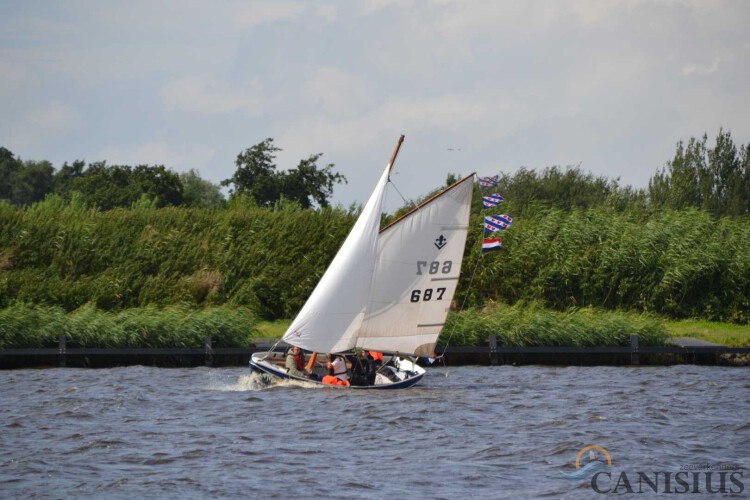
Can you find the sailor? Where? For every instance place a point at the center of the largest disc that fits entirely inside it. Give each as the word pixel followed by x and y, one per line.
pixel 295 362
pixel 377 358
pixel 337 367
pixel 363 372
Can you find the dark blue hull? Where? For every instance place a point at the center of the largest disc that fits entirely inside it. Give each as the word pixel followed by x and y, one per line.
pixel 271 369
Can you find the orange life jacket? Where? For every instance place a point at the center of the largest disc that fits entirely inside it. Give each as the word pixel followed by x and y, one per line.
pixel 331 380
pixel 377 356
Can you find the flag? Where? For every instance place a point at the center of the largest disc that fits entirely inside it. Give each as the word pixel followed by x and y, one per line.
pixel 492 200
pixel 485 182
pixel 490 244
pixel 495 223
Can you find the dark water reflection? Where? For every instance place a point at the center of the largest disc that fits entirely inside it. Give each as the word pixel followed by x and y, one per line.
pixel 479 432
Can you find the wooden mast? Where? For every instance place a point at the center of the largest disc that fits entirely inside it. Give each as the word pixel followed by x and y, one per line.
pixel 395 154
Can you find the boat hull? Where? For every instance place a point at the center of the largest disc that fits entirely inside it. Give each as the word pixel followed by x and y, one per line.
pixel 412 373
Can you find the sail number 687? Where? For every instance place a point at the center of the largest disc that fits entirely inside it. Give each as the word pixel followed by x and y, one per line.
pixel 434 267
pixel 427 294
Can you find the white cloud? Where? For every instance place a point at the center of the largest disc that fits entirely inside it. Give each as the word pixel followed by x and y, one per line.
pixel 697 69
pixel 55 118
pixel 251 14
pixel 208 95
pixel 333 91
pixel 33 129
pixel 159 153
pixel 437 116
pixel 15 75
pixel 327 12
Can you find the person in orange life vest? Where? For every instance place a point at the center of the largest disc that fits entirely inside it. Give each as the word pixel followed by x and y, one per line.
pixel 333 380
pixel 336 371
pixel 377 358
pixel 337 367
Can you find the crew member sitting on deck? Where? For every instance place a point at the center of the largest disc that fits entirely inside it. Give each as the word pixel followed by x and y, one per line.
pixel 337 367
pixel 295 362
pixel 377 358
pixel 337 374
pixel 363 371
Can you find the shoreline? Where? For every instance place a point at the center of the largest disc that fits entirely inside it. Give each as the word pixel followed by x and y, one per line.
pixel 690 352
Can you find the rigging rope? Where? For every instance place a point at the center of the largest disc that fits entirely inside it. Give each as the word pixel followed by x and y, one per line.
pixel 463 303
pixel 416 207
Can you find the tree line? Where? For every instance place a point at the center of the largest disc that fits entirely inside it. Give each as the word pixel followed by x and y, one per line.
pixel 102 186
pixel 713 179
pixel 577 240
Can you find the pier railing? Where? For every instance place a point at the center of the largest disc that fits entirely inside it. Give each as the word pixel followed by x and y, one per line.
pixel 492 354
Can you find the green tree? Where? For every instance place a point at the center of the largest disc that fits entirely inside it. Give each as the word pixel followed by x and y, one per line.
pixel 104 187
pixel 713 179
pixel 307 183
pixel 729 189
pixel 32 182
pixel 256 176
pixel 558 188
pixel 9 165
pixel 23 183
pixel 158 183
pixel 200 193
pixel 109 186
pixel 66 176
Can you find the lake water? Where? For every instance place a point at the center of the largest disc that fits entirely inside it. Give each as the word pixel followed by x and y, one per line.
pixel 464 432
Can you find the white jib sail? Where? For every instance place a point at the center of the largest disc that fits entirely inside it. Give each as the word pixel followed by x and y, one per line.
pixel 331 317
pixel 416 273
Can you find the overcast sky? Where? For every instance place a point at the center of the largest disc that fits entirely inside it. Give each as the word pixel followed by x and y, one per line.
pixel 485 86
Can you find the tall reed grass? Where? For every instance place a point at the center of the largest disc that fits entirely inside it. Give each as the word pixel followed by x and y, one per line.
pixel 68 256
pixel 679 264
pixel 531 324
pixel 24 325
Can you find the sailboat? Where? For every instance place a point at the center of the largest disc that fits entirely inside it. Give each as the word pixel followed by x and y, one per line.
pixel 387 290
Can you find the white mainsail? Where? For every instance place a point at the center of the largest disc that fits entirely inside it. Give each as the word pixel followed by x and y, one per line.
pixel 417 270
pixel 331 317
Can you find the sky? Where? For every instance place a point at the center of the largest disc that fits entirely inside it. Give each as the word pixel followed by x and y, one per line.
pixel 475 86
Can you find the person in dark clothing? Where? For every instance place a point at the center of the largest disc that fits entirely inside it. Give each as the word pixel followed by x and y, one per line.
pixel 363 369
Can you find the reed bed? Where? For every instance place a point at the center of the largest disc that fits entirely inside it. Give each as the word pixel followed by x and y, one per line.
pixel 66 255
pixel 680 264
pixel 531 324
pixel 32 326
pixel 683 264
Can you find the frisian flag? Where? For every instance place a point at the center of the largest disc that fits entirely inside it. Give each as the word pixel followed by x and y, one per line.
pixel 490 244
pixel 485 182
pixel 495 223
pixel 492 200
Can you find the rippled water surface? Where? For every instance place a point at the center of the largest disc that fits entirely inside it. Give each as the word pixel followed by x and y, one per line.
pixel 479 432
